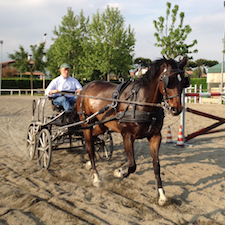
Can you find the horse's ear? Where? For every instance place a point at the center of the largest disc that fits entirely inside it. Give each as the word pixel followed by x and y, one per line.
pixel 165 60
pixel 183 62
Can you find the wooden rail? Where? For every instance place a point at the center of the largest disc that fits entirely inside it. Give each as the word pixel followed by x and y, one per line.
pixel 21 91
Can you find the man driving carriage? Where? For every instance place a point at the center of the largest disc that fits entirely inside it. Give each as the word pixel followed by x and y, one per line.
pixel 64 82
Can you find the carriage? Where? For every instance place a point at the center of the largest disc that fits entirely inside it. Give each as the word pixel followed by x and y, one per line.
pixel 133 109
pixel 45 133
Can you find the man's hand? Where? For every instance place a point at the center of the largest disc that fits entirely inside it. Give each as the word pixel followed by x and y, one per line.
pixel 55 91
pixel 78 91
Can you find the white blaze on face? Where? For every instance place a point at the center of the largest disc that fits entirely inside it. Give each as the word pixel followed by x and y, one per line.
pixel 179 77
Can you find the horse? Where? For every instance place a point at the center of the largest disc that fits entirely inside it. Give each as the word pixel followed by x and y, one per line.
pixel 136 111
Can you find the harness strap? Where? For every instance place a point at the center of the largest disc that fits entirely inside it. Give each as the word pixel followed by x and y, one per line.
pixel 126 117
pixel 119 90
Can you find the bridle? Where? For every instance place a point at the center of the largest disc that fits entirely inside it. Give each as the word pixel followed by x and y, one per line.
pixel 165 79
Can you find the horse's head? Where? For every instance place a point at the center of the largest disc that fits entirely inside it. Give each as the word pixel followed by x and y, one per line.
pixel 172 81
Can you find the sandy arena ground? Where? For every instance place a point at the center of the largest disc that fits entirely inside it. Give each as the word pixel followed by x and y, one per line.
pixel 193 177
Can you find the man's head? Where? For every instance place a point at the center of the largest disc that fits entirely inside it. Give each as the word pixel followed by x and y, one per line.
pixel 65 70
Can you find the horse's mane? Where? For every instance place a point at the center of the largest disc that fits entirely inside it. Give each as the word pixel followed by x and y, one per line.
pixel 153 70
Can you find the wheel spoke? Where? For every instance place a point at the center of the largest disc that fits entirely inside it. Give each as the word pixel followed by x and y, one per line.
pixel 44 149
pixel 104 146
pixel 31 143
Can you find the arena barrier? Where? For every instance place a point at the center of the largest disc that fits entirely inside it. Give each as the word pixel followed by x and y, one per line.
pixel 206 130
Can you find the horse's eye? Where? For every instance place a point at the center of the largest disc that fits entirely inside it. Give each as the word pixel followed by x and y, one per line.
pixel 179 77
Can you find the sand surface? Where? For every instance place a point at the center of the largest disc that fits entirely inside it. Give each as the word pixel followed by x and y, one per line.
pixel 193 177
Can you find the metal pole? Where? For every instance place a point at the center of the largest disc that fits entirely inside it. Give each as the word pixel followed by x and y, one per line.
pixel 182 115
pixel 44 61
pixel 222 67
pixel 1 42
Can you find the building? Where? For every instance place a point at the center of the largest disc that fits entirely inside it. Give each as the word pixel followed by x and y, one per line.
pixel 214 76
pixel 9 63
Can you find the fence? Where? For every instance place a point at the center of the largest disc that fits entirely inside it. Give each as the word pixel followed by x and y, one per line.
pixel 22 91
pixel 203 96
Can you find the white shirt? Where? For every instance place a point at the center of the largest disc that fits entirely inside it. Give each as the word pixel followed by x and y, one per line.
pixel 63 84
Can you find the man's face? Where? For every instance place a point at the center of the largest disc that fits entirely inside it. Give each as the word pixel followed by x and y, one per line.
pixel 65 72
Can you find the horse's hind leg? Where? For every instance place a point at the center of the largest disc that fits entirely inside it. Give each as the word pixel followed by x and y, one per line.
pixel 154 148
pixel 128 143
pixel 90 150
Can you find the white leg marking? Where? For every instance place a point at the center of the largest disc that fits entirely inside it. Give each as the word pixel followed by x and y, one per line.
pixel 162 197
pixel 120 172
pixel 88 165
pixel 96 180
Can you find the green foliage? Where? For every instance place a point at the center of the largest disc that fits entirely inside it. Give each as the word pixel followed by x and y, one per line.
pixel 207 63
pixel 67 46
pixel 197 73
pixel 172 39
pixel 38 54
pixel 20 57
pixel 110 46
pixel 23 64
pixel 199 81
pixel 143 62
pixel 191 64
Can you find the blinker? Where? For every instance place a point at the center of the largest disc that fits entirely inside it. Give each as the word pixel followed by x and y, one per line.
pixel 166 81
pixel 186 82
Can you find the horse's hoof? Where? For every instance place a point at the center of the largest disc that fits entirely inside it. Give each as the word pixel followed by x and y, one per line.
pixel 88 165
pixel 162 201
pixel 96 181
pixel 162 197
pixel 119 173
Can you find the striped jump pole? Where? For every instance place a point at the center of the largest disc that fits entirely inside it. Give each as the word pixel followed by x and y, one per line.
pixel 206 94
pixel 204 130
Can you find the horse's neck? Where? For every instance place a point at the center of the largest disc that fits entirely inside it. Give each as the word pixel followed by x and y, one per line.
pixel 150 92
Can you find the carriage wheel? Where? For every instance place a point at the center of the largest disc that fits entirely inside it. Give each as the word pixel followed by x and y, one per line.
pixel 44 149
pixel 31 143
pixel 104 146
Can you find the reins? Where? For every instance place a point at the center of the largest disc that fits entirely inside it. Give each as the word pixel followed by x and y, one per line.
pixel 118 100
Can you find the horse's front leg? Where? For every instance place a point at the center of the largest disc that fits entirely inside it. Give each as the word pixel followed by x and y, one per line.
pixel 155 142
pixel 128 143
pixel 90 150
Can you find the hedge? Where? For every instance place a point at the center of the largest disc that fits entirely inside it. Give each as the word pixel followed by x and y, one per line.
pixel 199 81
pixel 24 83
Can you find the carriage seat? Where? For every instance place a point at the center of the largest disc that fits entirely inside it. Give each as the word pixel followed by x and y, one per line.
pixel 57 108
pixel 68 117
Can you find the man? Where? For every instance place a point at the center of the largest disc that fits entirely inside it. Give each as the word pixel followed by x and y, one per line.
pixel 63 83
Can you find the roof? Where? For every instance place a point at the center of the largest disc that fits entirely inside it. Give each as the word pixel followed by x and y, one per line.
pixel 216 69
pixel 6 63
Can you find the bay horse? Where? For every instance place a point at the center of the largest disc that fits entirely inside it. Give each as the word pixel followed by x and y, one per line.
pixel 143 117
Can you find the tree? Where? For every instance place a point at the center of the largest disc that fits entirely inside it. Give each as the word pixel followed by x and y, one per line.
pixel 191 64
pixel 197 73
pixel 171 39
pixel 143 62
pixel 67 44
pixel 38 63
pixel 207 63
pixel 21 63
pixel 110 46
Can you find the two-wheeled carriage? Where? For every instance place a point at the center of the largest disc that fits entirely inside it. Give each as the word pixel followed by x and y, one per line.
pixel 47 133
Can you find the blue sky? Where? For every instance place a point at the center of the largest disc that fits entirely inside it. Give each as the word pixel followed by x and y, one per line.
pixel 24 22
